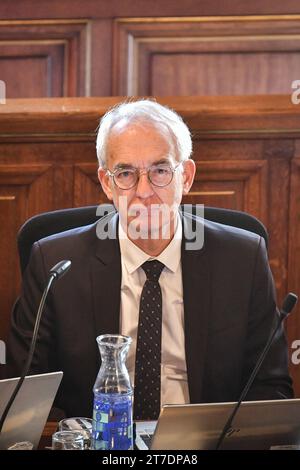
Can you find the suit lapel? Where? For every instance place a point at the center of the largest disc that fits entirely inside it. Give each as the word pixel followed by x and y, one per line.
pixel 106 280
pixel 196 280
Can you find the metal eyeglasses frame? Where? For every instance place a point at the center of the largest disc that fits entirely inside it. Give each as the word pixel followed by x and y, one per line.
pixel 140 172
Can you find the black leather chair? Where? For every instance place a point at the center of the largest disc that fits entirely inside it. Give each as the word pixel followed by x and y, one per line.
pixel 48 223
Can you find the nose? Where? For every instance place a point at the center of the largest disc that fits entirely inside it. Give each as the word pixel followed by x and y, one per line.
pixel 144 188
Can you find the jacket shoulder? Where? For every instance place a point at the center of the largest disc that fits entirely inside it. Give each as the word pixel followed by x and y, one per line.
pixel 217 235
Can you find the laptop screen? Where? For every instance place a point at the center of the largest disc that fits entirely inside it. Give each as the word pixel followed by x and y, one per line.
pixel 257 425
pixel 29 412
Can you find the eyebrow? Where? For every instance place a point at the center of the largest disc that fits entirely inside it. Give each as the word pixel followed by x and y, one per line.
pixel 121 166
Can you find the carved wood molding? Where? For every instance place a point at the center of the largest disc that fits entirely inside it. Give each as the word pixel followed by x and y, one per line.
pixel 21 174
pixel 208 117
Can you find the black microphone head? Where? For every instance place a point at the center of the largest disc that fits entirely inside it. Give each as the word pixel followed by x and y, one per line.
pixel 289 303
pixel 60 268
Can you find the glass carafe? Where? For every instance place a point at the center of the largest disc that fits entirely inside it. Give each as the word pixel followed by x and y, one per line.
pixel 113 396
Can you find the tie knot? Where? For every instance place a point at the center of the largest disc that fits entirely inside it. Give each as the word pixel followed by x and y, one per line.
pixel 153 269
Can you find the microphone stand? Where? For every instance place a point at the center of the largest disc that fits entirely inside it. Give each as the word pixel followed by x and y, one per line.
pixel 55 273
pixel 288 304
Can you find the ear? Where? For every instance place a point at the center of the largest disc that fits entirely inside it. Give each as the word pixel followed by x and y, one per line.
pixel 105 182
pixel 189 170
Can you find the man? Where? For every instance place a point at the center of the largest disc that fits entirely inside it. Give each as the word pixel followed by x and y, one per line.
pixel 199 318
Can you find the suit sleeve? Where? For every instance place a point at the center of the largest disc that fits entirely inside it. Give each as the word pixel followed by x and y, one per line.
pixel 23 318
pixel 273 380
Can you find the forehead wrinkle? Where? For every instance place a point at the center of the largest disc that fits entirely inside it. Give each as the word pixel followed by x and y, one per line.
pixel 164 160
pixel 141 142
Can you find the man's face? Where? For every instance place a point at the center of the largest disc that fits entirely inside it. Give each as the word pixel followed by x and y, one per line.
pixel 141 146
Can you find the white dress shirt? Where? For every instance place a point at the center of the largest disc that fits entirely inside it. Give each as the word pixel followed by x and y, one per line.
pixel 174 386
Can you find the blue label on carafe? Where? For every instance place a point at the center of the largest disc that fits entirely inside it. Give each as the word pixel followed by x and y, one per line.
pixel 112 422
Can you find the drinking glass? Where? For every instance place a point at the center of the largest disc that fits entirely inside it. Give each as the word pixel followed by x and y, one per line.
pixel 84 425
pixel 67 440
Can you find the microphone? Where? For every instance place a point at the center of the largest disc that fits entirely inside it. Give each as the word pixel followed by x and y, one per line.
pixel 55 273
pixel 60 268
pixel 287 306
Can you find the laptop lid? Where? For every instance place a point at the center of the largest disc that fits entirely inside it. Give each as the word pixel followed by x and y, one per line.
pixel 29 412
pixel 257 425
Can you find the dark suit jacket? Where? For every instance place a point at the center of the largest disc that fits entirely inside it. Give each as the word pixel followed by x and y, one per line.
pixel 229 311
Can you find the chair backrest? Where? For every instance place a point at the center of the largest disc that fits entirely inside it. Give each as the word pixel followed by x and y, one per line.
pixel 49 223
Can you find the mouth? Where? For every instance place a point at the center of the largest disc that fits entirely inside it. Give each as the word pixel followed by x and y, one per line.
pixel 139 210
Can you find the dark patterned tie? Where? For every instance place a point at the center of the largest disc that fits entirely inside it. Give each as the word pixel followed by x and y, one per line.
pixel 148 348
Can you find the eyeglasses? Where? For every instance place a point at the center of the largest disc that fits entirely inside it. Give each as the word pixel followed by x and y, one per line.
pixel 159 175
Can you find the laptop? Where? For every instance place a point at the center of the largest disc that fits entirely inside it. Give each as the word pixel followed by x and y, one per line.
pixel 29 412
pixel 257 425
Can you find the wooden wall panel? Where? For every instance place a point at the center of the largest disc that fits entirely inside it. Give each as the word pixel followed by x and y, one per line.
pixel 205 56
pixel 113 8
pixel 45 58
pixel 279 154
pixel 294 256
pixel 12 202
pixel 156 55
pixel 235 184
pixel 24 190
pixel 38 80
pixel 100 58
pixel 221 73
pixel 87 189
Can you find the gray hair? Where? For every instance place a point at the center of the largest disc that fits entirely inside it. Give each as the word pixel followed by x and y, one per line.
pixel 144 111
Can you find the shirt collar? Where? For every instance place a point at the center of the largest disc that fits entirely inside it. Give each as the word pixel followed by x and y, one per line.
pixel 133 257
